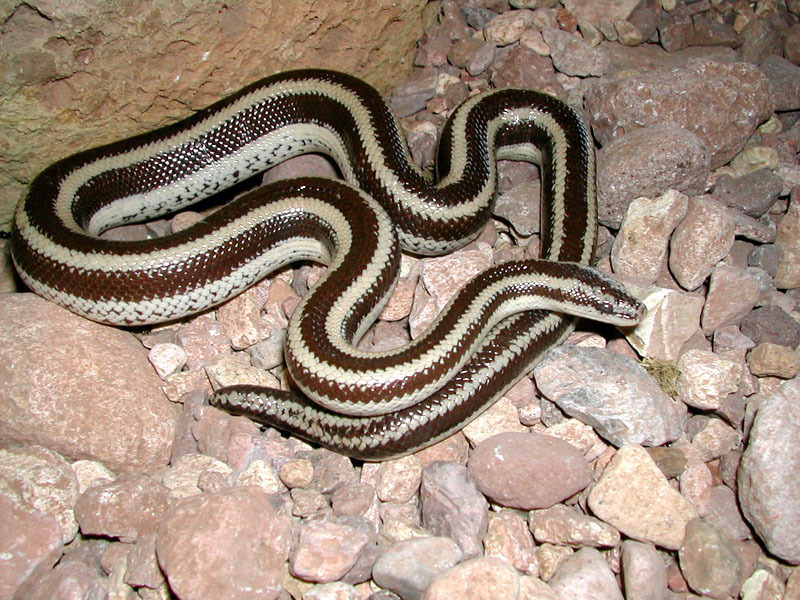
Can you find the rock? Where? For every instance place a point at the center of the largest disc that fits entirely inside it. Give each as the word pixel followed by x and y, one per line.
pixel 592 12
pixel 709 561
pixel 573 56
pixel 202 338
pixel 732 293
pixel 28 538
pixel 326 550
pixel 562 525
pixel 641 245
pixel 297 473
pixel 643 572
pixel 452 506
pixel 635 497
pixel 597 387
pixel 68 579
pixel 398 480
pixel 771 324
pixel 706 379
pixel 523 67
pixel 409 567
pixel 700 241
pixel 715 439
pixel 333 591
pixel 64 389
pixel 585 576
pixel 508 537
pixel 722 511
pixel 763 585
pixel 501 417
pixel 506 28
pixel 39 479
pixel 128 507
pixel 520 207
pixel 773 360
pixel 478 577
pixel 771 462
pixel 527 471
pixel 183 476
pixel 753 193
pixel 785 79
pixel 308 503
pixel 671 319
pixel 647 163
pixel 686 97
pixel 201 534
pixel 352 499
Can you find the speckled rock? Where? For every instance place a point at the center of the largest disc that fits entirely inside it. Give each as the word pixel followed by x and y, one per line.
pixel 771 462
pixel 634 496
pixel 201 534
pixel 612 393
pixel 64 389
pixel 452 506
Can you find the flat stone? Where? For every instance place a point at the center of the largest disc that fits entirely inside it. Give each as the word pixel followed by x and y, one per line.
pixel 585 575
pixel 634 496
pixel 640 247
pixel 700 241
pixel 453 506
pixel 481 577
pixel 647 163
pixel 597 387
pixel 409 567
pixel 709 561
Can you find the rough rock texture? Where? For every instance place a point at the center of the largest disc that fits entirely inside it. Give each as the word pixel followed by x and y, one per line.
pixel 214 529
pixel 689 97
pixel 63 373
pixel 770 471
pixel 82 73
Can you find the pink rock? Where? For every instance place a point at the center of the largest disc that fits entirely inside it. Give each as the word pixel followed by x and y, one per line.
pixel 27 539
pixel 127 508
pixel 82 389
pixel 701 240
pixel 230 544
pixel 325 551
pixel 525 470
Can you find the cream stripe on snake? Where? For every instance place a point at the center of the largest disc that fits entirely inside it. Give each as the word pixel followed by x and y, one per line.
pixel 426 389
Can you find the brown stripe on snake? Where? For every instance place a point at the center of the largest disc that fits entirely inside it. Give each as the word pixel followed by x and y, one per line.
pixel 429 388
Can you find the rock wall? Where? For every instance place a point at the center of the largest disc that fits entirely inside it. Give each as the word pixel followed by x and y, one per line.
pixel 79 73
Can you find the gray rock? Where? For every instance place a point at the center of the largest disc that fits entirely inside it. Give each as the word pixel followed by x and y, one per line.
pixel 770 470
pixel 453 506
pixel 612 393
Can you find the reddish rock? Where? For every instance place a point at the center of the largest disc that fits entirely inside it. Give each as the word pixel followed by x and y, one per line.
pixel 64 388
pixel 230 544
pixel 524 470
pixel 28 538
pixel 128 507
pixel 689 97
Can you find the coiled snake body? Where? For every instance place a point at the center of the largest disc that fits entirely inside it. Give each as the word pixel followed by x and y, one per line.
pixel 367 405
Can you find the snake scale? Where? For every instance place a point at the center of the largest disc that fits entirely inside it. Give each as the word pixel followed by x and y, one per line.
pixel 370 405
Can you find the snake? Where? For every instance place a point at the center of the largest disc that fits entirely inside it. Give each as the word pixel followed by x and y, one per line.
pixel 365 404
